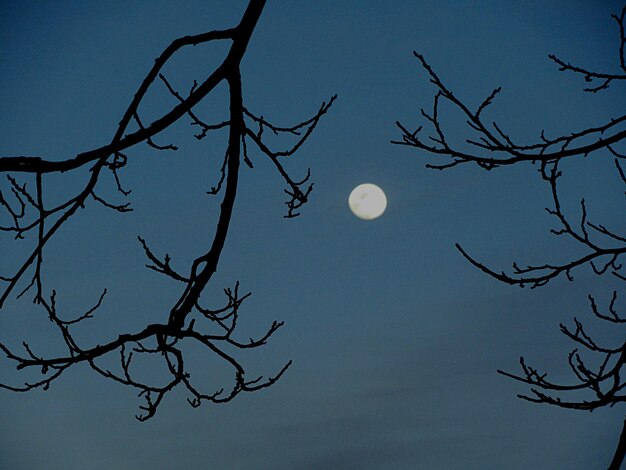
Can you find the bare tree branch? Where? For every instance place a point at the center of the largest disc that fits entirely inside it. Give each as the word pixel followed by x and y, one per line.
pixel 600 247
pixel 163 342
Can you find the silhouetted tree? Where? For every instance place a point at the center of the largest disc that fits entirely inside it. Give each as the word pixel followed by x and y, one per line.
pixel 27 215
pixel 601 247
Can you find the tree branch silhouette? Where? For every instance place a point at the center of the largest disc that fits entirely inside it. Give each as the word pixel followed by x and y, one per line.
pixel 27 212
pixel 601 248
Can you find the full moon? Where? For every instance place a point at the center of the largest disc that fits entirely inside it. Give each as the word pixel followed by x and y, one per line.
pixel 367 201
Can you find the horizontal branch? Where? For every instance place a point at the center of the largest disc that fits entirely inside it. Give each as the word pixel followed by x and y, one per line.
pixel 552 270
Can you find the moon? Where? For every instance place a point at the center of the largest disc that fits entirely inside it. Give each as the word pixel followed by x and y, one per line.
pixel 367 201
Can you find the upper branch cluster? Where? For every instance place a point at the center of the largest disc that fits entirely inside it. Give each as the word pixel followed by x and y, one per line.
pixel 492 147
pixel 599 80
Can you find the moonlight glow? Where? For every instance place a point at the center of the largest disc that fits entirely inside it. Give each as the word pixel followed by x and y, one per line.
pixel 367 201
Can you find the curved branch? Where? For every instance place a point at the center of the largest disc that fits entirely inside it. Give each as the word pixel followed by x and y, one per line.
pixel 590 75
pixel 498 141
pixel 552 270
pixel 39 165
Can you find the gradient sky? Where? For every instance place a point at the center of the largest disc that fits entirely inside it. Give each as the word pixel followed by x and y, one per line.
pixel 395 338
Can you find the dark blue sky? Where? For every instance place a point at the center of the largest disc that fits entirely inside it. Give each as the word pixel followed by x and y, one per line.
pixel 395 338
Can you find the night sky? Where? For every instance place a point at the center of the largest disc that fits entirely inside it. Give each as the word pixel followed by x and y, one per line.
pixel 395 338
